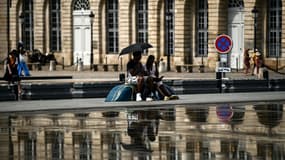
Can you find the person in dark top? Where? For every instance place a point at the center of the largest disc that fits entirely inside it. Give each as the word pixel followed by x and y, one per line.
pixel 11 73
pixel 136 74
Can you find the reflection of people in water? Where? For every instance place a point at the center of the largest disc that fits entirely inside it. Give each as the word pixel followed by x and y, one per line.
pixel 143 129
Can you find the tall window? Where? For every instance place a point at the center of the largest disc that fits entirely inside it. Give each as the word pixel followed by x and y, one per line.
pixel 55 25
pixel 169 26
pixel 112 26
pixel 142 20
pixel 274 28
pixel 28 25
pixel 202 28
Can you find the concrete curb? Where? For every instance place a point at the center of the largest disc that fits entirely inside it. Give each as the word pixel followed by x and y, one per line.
pixel 69 90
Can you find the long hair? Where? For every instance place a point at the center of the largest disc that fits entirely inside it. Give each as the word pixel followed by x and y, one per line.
pixel 149 62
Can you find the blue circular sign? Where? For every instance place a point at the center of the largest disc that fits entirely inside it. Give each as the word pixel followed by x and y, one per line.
pixel 224 112
pixel 223 43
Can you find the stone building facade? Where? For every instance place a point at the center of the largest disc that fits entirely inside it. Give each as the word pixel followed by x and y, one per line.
pixel 184 29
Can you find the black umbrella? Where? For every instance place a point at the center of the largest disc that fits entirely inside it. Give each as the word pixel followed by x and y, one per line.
pixel 137 47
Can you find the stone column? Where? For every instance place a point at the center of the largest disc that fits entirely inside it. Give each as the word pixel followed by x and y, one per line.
pixel 3 30
pixel 217 19
pixel 126 22
pixel 66 32
pixel 183 28
pixel 38 24
pixel 153 32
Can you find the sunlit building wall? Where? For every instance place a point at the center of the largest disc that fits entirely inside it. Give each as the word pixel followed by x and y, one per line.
pixel 185 30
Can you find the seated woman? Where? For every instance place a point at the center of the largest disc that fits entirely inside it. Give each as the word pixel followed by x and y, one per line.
pixel 154 82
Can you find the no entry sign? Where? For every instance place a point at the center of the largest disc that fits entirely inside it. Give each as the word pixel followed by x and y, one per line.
pixel 223 43
pixel 224 112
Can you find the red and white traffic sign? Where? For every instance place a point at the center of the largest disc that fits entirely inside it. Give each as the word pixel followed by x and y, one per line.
pixel 223 43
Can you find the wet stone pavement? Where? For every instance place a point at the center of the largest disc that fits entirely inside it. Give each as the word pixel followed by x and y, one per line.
pixel 209 131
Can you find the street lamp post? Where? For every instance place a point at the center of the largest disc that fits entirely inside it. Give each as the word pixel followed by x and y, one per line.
pixel 21 18
pixel 168 19
pixel 91 54
pixel 8 25
pixel 255 15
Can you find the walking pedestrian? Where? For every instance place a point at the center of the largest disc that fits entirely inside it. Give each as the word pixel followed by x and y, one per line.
pixel 22 66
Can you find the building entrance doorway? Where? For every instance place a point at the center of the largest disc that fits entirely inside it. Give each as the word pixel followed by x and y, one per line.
pixel 81 37
pixel 236 31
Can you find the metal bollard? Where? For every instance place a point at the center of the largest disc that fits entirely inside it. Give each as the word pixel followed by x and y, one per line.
pixel 162 66
pixel 202 68
pixel 122 77
pixel 266 74
pixel 80 65
pixel 218 75
pixel 52 66
pixel 62 63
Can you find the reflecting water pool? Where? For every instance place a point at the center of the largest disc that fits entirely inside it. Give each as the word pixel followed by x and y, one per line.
pixel 182 132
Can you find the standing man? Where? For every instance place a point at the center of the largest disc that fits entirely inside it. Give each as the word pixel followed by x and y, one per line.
pixel 136 73
pixel 22 66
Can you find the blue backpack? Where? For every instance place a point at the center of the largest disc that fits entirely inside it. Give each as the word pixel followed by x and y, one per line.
pixel 123 92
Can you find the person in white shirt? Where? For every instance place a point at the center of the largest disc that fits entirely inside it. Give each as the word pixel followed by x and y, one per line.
pixel 136 73
pixel 22 66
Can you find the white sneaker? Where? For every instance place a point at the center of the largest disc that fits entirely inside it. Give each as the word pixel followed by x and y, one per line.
pixel 138 97
pixel 149 99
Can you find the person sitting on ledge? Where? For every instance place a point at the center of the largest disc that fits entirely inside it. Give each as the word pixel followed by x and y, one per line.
pixel 154 82
pixel 135 74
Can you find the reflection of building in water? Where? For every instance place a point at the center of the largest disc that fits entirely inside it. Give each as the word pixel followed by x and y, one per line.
pixel 270 151
pixel 184 132
pixel 27 145
pixel 110 144
pixel 54 143
pixel 82 145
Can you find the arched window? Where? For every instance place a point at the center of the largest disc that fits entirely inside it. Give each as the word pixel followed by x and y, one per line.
pixel 202 28
pixel 274 28
pixel 236 4
pixel 112 26
pixel 81 5
pixel 169 26
pixel 55 25
pixel 28 25
pixel 142 20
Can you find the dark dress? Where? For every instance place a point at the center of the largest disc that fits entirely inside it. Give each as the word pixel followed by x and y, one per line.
pixel 12 64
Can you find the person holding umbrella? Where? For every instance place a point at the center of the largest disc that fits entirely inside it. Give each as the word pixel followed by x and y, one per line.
pixel 135 73
pixel 135 70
